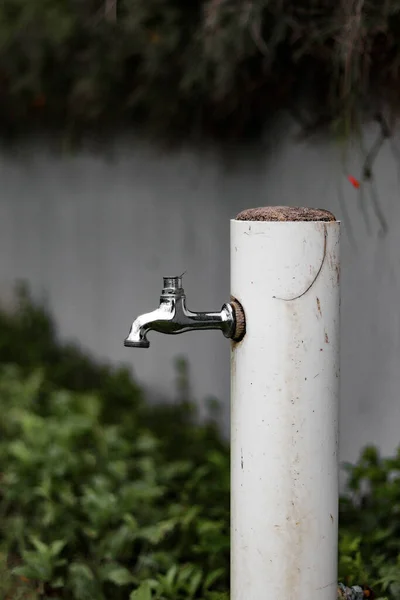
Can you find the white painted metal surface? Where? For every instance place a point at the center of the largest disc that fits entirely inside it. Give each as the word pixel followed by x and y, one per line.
pixel 284 414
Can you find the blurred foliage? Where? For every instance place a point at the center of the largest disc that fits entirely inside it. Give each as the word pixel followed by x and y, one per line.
pixel 370 524
pixel 215 67
pixel 103 495
pixel 94 509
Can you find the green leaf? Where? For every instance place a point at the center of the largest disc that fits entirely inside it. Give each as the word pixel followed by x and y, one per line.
pixel 119 576
pixel 82 582
pixel 57 546
pixel 212 578
pixel 171 575
pixel 195 582
pixel 142 593
pixel 41 547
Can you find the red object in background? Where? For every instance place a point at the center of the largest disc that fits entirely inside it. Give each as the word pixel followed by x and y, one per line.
pixel 354 182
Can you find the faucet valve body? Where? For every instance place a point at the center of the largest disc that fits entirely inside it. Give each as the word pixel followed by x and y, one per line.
pixel 172 317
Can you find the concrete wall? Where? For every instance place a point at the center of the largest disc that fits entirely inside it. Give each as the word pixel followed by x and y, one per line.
pixel 97 233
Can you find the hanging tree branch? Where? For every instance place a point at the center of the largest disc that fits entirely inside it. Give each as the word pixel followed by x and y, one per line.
pixel 367 170
pixel 110 10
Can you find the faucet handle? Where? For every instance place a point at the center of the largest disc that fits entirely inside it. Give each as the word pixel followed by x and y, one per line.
pixel 172 286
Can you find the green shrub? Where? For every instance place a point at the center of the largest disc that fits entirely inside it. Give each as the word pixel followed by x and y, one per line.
pixel 95 508
pixel 370 523
pixel 101 491
pixel 105 496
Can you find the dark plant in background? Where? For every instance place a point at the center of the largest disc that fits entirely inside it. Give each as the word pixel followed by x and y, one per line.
pixel 216 67
pixel 105 496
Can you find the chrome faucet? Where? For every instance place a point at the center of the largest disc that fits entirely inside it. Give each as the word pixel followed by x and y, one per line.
pixel 172 317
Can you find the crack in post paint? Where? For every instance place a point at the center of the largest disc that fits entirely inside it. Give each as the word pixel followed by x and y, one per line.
pixel 316 276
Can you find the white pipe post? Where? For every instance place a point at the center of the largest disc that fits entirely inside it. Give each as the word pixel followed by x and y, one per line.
pixel 285 272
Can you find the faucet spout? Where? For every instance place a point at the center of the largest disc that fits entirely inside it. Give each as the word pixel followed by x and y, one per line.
pixel 173 317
